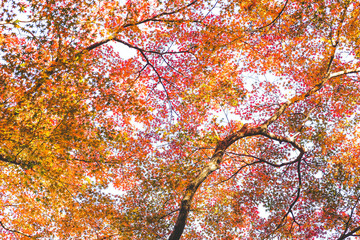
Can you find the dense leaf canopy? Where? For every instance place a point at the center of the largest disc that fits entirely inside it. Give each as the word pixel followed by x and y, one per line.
pixel 202 119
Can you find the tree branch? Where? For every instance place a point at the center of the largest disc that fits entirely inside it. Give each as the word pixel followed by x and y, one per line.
pixel 298 191
pixel 16 161
pixel 347 224
pixel 310 92
pixel 235 173
pixel 274 20
pixel 344 72
pixel 15 231
pixel 349 234
pixel 213 165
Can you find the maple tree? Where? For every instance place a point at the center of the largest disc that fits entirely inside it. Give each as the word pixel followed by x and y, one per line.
pixel 225 108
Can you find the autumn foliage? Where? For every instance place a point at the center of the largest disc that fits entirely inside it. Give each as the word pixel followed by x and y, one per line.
pixel 197 119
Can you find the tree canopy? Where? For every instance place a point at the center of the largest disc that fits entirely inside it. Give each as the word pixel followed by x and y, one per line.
pixel 234 119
